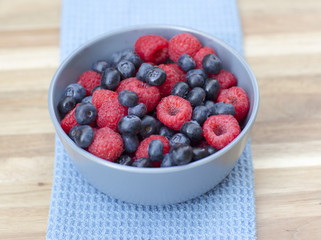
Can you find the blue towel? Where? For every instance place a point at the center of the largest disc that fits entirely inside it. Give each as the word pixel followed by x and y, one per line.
pixel 79 211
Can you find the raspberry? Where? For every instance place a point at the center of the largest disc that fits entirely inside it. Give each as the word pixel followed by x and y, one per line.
pixel 198 57
pixel 89 80
pixel 179 71
pixel 172 77
pixel 110 113
pixel 238 98
pixel 101 96
pixel 149 95
pixel 225 78
pixel 152 48
pixel 69 121
pixel 183 43
pixel 173 111
pixel 220 130
pixel 107 144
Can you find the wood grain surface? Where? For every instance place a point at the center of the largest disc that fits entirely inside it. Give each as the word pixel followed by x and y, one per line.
pixel 282 42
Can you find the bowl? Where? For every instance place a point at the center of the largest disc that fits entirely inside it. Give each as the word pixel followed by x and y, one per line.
pixel 152 186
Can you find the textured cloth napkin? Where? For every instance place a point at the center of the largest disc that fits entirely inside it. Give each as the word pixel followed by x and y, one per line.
pixel 79 211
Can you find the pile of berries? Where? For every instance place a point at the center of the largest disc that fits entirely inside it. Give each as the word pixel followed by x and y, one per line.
pixel 165 103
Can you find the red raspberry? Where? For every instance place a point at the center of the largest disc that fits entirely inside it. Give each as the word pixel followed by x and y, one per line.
pixel 198 57
pixel 110 113
pixel 152 48
pixel 69 121
pixel 183 43
pixel 106 144
pixel 149 95
pixel 220 130
pixel 180 72
pixel 173 111
pixel 236 96
pixel 101 96
pixel 89 80
pixel 225 78
pixel 172 77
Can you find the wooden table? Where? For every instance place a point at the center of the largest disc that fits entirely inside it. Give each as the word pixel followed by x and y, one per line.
pixel 282 44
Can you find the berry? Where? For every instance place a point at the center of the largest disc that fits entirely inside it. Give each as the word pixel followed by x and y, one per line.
pixel 107 144
pixel 110 79
pixel 133 57
pixel 130 124
pixel 179 72
pixel 142 162
pixel 179 138
pixel 222 108
pixel 196 96
pixel 193 131
pixel 225 78
pixel 85 113
pixel 87 99
pixel 139 110
pixel 149 126
pixel 115 58
pixel 124 160
pixel 140 75
pixel 89 80
pixel 131 143
pixel 152 48
pixel 236 96
pixel 200 114
pixel 155 76
pixel 181 154
pixel 210 149
pixel 166 132
pixel 211 88
pixel 100 66
pixel 69 121
pixel 210 105
pixel 128 98
pixel 155 150
pixel 196 78
pixel 82 135
pixel 103 95
pixel 173 111
pixel 198 57
pixel 183 43
pixel 180 89
pixel 172 77
pixel 168 161
pixel 126 69
pixel 98 87
pixel 76 91
pixel 212 64
pixel 66 104
pixel 142 150
pixel 199 153
pixel 186 62
pixel 220 130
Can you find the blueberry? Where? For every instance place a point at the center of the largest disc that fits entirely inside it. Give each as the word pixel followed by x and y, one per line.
pixel 139 110
pixel 168 161
pixel 166 132
pixel 149 126
pixel 222 108
pixel 66 104
pixel 199 153
pixel 133 57
pixel 210 105
pixel 182 154
pixel 212 64
pixel 155 150
pixel 155 76
pixel 196 96
pixel 75 90
pixel 110 79
pixel 87 99
pixel 82 135
pixel 186 62
pixel 195 78
pixel 126 69
pixel 128 98
pixel 180 89
pixel 131 142
pixel 142 71
pixel 193 131
pixel 124 160
pixel 96 88
pixel 200 114
pixel 100 66
pixel 211 88
pixel 210 149
pixel 116 57
pixel 142 162
pixel 179 138
pixel 130 124
pixel 86 113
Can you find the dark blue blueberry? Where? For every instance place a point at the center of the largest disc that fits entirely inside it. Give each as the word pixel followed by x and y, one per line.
pixel 133 57
pixel 155 76
pixel 168 161
pixel 159 125
pixel 155 150
pixel 100 66
pixel 193 131
pixel 139 110
pixel 142 162
pixel 124 160
pixel 128 98
pixel 115 58
pixel 196 96
pixel 211 88
pixel 210 149
pixel 75 90
pixel 110 79
pixel 130 124
pixel 186 62
pixel 199 153
pixel 66 104
pixel 195 78
pixel 179 138
pixel 180 89
pixel 166 132
pixel 142 71
pixel 126 69
pixel 96 88
pixel 210 106
pixel 222 108
pixel 200 114
pixel 212 64
pixel 87 99
pixel 82 135
pixel 86 113
pixel 131 142
pixel 149 126
pixel 182 154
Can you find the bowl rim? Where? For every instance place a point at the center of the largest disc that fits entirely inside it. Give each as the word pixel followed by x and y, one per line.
pixel 131 169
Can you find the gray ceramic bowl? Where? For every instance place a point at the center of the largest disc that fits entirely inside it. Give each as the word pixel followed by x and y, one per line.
pixel 152 186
